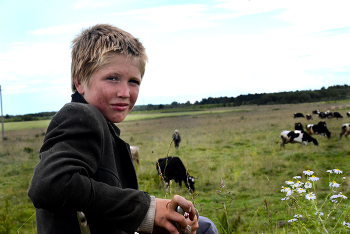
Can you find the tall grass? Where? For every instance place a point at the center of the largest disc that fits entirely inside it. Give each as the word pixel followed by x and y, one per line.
pixel 235 157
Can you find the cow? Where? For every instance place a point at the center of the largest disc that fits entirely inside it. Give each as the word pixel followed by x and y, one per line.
pixel 299 126
pixel 298 115
pixel 345 130
pixel 135 154
pixel 348 114
pixel 172 168
pixel 337 115
pixel 329 114
pixel 296 137
pixel 320 128
pixel 323 115
pixel 309 117
pixel 315 112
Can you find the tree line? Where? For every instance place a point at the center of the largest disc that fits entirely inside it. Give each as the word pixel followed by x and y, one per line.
pixel 332 93
pixel 29 117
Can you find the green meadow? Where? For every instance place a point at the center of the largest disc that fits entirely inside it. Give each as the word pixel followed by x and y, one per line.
pixel 234 153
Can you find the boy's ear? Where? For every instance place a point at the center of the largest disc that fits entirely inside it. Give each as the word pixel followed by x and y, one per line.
pixel 79 86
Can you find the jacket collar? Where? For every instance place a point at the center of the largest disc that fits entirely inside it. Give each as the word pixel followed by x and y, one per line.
pixel 77 97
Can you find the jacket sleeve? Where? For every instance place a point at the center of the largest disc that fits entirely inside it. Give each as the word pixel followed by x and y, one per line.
pixel 69 157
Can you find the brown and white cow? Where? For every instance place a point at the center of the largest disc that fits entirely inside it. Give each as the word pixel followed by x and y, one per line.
pixel 345 130
pixel 135 154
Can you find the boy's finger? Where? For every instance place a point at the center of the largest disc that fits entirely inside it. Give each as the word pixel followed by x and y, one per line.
pixel 183 203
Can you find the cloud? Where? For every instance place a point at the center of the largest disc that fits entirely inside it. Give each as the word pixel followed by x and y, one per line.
pixel 60 29
pixel 244 7
pixel 91 4
pixel 32 67
pixel 173 18
pixel 18 43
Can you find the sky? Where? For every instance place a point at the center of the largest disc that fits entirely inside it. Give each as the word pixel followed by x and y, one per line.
pixel 196 49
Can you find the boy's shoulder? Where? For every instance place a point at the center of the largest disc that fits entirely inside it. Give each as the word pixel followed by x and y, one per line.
pixel 80 108
pixel 79 111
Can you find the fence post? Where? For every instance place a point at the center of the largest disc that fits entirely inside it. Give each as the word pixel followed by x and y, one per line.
pixel 2 118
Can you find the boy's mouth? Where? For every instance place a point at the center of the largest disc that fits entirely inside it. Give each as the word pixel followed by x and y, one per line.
pixel 120 106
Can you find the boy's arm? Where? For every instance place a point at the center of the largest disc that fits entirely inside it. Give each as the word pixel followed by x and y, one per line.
pixel 148 222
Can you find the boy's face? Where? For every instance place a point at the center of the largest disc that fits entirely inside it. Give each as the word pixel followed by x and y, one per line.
pixel 114 87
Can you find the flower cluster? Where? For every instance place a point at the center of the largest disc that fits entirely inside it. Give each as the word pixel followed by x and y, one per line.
pixel 346 224
pixel 300 187
pixel 304 193
pixel 340 195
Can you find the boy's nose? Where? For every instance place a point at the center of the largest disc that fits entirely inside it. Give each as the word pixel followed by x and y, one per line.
pixel 124 91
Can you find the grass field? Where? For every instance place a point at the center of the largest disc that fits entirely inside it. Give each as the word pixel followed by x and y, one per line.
pixel 234 153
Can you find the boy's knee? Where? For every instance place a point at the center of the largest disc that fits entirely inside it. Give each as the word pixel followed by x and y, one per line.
pixel 206 226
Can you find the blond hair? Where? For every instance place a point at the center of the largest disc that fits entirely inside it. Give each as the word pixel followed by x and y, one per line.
pixel 91 47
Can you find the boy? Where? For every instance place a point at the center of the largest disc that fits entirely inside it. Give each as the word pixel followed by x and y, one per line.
pixel 84 165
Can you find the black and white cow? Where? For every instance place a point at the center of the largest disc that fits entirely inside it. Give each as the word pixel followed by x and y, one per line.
pixel 348 114
pixel 345 130
pixel 337 115
pixel 320 128
pixel 296 137
pixel 322 115
pixel 308 117
pixel 299 115
pixel 172 168
pixel 315 112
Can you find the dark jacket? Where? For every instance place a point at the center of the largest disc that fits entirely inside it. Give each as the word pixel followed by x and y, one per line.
pixel 85 166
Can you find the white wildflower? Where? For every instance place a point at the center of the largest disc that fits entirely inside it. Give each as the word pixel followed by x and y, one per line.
pixel 319 213
pixel 292 220
pixel 289 182
pixel 301 190
pixel 285 198
pixel 308 184
pixel 330 171
pixel 334 197
pixel 333 184
pixel 298 216
pixel 346 224
pixel 344 178
pixel 297 184
pixel 296 177
pixel 310 196
pixel 313 178
pixel 284 189
pixel 342 196
pixel 337 171
pixel 308 172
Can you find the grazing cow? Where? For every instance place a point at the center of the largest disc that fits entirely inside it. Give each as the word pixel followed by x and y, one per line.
pixel 329 114
pixel 308 117
pixel 322 115
pixel 320 128
pixel 296 137
pixel 172 168
pixel 348 114
pixel 345 130
pixel 315 112
pixel 135 154
pixel 298 115
pixel 337 115
pixel 299 126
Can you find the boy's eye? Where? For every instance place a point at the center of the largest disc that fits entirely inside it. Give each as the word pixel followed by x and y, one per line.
pixel 135 82
pixel 112 78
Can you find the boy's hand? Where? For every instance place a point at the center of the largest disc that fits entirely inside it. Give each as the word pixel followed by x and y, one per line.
pixel 166 215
